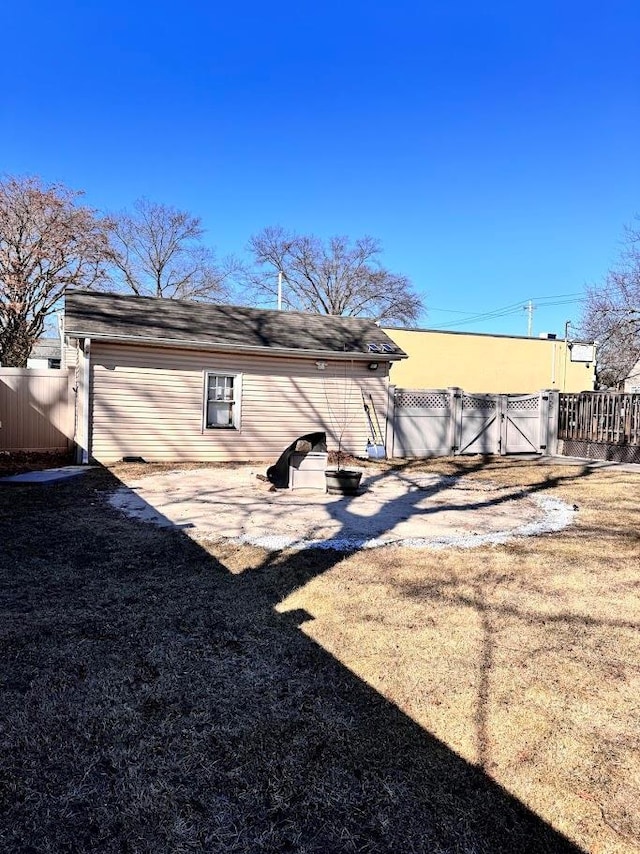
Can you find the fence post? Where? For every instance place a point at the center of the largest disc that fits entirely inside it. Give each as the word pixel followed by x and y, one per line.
pixel 390 429
pixel 455 419
pixel 502 404
pixel 543 421
pixel 549 421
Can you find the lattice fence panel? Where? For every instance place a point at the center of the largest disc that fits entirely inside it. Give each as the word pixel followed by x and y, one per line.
pixel 524 404
pixel 472 402
pixel 422 399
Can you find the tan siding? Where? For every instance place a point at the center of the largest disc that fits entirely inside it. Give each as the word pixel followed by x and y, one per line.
pixel 148 402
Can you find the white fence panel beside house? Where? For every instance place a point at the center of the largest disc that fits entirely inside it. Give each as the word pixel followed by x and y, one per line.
pixel 36 409
pixel 440 422
pixel 422 423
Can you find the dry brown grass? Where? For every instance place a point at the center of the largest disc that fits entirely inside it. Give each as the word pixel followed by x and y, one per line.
pixel 158 698
pixel 523 658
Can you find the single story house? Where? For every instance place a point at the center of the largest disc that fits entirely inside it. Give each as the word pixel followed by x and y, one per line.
pixel 45 353
pixel 170 380
pixel 492 364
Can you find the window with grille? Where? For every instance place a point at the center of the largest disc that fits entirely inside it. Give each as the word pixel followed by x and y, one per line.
pixel 222 401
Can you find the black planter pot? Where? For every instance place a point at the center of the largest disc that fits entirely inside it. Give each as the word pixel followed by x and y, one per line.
pixel 342 481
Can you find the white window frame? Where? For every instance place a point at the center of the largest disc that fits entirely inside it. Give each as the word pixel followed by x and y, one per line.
pixel 237 400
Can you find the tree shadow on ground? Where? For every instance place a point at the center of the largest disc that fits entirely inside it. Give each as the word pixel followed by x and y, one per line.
pixel 155 700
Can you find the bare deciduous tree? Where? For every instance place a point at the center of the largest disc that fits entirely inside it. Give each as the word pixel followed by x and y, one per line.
pixel 157 251
pixel 339 277
pixel 47 243
pixel 612 314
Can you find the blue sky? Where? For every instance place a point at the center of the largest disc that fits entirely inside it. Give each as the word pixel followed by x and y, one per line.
pixel 491 146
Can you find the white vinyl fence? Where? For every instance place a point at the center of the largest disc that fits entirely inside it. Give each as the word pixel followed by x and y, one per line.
pixel 36 409
pixel 442 422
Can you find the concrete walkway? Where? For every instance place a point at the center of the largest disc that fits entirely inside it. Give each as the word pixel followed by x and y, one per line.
pixel 589 463
pixel 46 476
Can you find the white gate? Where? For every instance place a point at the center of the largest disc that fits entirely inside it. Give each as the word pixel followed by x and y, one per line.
pixel 479 425
pixel 440 422
pixel 523 422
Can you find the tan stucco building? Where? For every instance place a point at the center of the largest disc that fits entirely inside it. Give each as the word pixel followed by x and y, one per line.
pixel 500 364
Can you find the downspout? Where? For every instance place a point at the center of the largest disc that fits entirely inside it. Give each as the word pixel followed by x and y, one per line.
pixel 86 409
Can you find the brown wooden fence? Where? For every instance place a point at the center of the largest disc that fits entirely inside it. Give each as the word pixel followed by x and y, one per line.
pixel 600 424
pixel 36 409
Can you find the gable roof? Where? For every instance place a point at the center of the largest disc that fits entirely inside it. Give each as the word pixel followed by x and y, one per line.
pixel 180 323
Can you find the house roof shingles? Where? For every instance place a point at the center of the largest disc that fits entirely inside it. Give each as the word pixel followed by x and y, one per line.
pixel 45 348
pixel 119 317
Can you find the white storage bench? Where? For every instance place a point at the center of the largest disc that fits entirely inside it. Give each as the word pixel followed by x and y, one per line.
pixel 306 471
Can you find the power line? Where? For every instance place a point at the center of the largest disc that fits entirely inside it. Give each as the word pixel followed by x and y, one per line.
pixel 507 309
pixel 561 296
pixel 450 311
pixel 478 318
pixel 511 309
pixel 537 299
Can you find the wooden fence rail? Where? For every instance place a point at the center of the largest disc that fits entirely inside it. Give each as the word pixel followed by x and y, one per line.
pixel 605 417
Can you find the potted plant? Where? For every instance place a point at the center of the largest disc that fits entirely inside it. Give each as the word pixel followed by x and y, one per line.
pixel 342 481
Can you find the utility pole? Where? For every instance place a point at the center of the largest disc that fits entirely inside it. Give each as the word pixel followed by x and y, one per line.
pixel 529 309
pixel 279 290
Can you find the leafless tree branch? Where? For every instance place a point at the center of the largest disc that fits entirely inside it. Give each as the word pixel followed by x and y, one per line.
pixel 48 242
pixel 612 314
pixel 157 251
pixel 337 277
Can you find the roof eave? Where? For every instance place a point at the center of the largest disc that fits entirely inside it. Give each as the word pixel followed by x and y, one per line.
pixel 237 348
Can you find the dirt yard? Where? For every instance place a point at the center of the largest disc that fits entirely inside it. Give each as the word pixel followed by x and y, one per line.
pixel 167 693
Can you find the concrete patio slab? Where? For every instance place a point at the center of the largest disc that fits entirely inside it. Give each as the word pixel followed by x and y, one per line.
pixel 416 510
